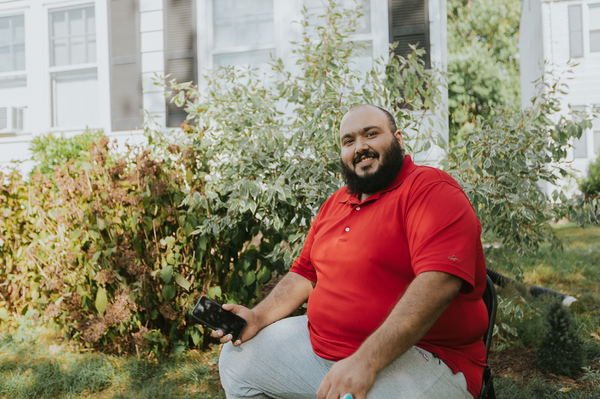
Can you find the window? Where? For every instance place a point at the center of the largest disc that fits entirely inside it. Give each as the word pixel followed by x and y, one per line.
pixel 72 36
pixel 594 27
pixel 180 51
pixel 575 31
pixel 363 58
pixel 244 32
pixel 596 134
pixel 12 43
pixel 580 144
pixel 317 7
pixel 73 70
pixel 75 98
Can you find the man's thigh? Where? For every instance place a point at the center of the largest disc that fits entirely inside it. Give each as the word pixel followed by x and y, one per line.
pixel 418 374
pixel 278 362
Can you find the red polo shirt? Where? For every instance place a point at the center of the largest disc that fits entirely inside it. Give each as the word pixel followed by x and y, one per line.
pixel 363 255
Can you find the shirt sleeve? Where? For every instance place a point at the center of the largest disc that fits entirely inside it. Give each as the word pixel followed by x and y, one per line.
pixel 443 232
pixel 303 265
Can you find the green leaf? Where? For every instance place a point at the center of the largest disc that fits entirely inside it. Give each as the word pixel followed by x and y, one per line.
pixel 168 292
pixel 203 242
pixel 179 279
pixel 101 300
pixel 166 274
pixel 169 241
pixel 195 334
pixel 249 278
pixel 263 275
pixel 427 145
pixel 171 259
pixel 214 292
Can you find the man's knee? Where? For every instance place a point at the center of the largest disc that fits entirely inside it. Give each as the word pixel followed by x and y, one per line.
pixel 231 366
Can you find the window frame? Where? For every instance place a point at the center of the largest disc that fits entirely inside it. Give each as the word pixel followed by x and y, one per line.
pixel 12 44
pixel 20 74
pixel 585 28
pixel 70 37
pixel 54 70
pixel 589 30
pixel 285 31
pixel 588 135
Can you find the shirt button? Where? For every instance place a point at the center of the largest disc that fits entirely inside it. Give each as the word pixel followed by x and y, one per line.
pixel 358 208
pixel 347 228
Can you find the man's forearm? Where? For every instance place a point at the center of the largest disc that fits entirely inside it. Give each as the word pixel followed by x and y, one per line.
pixel 291 292
pixel 416 312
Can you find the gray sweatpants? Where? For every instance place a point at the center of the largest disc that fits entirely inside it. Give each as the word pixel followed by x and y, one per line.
pixel 279 363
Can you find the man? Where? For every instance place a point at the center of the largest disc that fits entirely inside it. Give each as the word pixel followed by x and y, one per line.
pixel 393 272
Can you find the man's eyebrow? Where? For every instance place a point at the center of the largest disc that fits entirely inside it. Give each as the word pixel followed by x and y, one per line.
pixel 359 132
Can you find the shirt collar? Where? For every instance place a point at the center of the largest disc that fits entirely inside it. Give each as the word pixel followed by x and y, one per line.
pixel 407 168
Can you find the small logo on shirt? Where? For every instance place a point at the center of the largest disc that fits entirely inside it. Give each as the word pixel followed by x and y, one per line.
pixel 454 258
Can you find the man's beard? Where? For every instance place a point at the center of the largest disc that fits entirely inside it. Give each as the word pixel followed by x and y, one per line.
pixel 370 183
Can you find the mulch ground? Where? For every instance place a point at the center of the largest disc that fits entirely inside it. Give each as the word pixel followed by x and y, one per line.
pixel 519 364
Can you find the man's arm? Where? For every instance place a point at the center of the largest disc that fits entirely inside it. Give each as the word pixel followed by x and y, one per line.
pixel 291 292
pixel 424 301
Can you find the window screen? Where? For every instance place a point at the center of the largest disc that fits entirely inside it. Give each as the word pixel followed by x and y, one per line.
pixel 72 36
pixel 244 32
pixel 595 28
pixel 575 32
pixel 12 43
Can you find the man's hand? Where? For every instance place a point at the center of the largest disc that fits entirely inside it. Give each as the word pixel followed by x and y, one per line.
pixel 249 331
pixel 292 291
pixel 350 375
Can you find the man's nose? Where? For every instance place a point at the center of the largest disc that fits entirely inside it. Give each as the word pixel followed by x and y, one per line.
pixel 361 145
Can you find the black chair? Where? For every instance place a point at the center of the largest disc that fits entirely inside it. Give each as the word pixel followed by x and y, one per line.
pixel 491 303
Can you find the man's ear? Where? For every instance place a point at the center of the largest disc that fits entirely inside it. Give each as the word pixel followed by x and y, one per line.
pixel 398 136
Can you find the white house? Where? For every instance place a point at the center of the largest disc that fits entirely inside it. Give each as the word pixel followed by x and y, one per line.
pixel 70 64
pixel 554 32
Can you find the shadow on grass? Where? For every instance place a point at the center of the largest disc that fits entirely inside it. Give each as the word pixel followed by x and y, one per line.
pixel 30 371
pixel 25 373
pixel 174 378
pixel 507 388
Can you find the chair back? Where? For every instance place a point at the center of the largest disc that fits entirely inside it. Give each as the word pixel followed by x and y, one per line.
pixel 491 303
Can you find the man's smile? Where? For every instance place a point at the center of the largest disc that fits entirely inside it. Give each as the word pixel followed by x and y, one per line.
pixel 365 159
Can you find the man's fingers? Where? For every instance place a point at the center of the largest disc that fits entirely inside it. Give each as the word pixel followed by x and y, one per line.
pixel 323 388
pixel 226 338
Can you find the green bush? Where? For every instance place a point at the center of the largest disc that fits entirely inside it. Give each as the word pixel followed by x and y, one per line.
pixel 501 163
pixel 50 150
pixel 117 248
pixel 590 186
pixel 561 350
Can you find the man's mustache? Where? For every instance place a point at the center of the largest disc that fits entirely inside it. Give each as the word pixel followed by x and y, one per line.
pixel 365 153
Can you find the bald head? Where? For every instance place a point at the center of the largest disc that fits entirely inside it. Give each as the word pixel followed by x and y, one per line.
pixel 388 115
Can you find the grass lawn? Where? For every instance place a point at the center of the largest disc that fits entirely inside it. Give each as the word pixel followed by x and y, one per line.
pixel 33 366
pixel 39 370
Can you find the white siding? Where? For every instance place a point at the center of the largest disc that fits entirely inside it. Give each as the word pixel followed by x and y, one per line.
pixel 35 95
pixel 530 49
pixel 584 87
pixel 546 22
